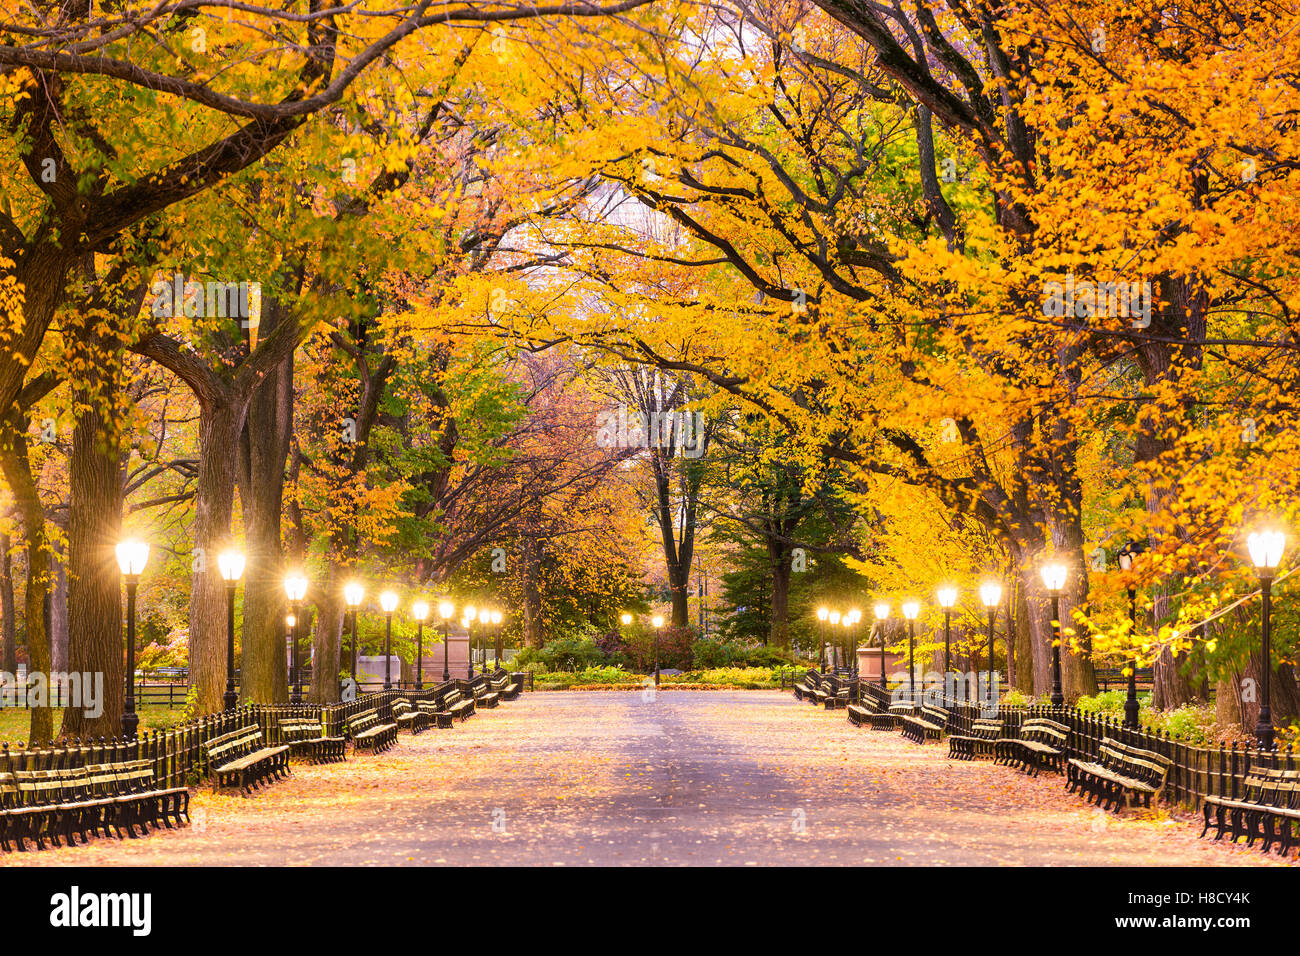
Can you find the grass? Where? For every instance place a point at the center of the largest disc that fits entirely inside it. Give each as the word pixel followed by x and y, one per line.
pixel 15 722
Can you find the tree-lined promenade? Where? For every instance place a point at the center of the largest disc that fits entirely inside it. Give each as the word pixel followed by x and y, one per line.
pixel 596 313
pixel 683 778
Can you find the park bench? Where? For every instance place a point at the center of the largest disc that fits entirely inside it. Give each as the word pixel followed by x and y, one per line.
pixel 504 686
pixel 484 696
pixel 1119 773
pixel 1039 743
pixel 61 804
pixel 833 693
pixel 454 702
pixel 928 723
pixel 409 718
pixel 306 737
pixel 367 729
pixel 439 718
pixel 242 755
pixel 868 712
pixel 1269 795
pixel 984 733
pixel 803 690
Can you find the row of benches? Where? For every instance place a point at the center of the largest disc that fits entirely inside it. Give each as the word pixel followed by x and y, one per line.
pixel 829 691
pixel 1119 776
pixel 62 805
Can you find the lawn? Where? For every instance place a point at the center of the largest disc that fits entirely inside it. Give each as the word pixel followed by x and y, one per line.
pixel 15 721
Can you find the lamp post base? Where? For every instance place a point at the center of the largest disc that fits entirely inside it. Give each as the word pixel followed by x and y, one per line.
pixel 1264 731
pixel 130 721
pixel 231 699
pixel 1131 713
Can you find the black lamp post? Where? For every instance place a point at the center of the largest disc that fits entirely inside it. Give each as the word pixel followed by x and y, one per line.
pixel 231 564
pixel 1054 580
pixel 498 647
pixel 991 596
pixel 910 611
pixel 1266 549
pixel 419 611
pixel 471 612
pixel 1131 710
pixel 485 622
pixel 445 610
pixel 947 598
pixel 882 615
pixel 822 615
pixel 131 558
pixel 353 593
pixel 295 587
pixel 854 617
pixel 388 601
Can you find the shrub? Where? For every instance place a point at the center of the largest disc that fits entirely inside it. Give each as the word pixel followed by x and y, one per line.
pixel 767 656
pixel 567 654
pixel 707 653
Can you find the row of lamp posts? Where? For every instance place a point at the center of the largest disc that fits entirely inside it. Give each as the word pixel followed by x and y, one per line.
pixel 133 555
pixel 1265 547
pixel 848 619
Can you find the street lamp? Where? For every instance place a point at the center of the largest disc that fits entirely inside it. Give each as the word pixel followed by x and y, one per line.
pixel 855 616
pixel 847 621
pixel 833 651
pixel 295 587
pixel 131 558
pixel 947 598
pixel 882 615
pixel 388 601
pixel 657 621
pixel 353 593
pixel 419 611
pixel 910 610
pixel 498 646
pixel 467 618
pixel 231 565
pixel 445 610
pixel 991 597
pixel 1054 580
pixel 1266 549
pixel 822 615
pixel 1126 555
pixel 484 618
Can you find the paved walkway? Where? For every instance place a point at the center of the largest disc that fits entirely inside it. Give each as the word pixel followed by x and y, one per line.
pixel 740 778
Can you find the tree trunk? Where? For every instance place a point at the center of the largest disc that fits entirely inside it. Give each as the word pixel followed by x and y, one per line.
pixel 1018 624
pixel 532 599
pixel 327 637
pixel 15 463
pixel 1232 705
pixel 779 632
pixel 264 452
pixel 220 424
pixel 8 609
pixel 94 591
pixel 59 611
